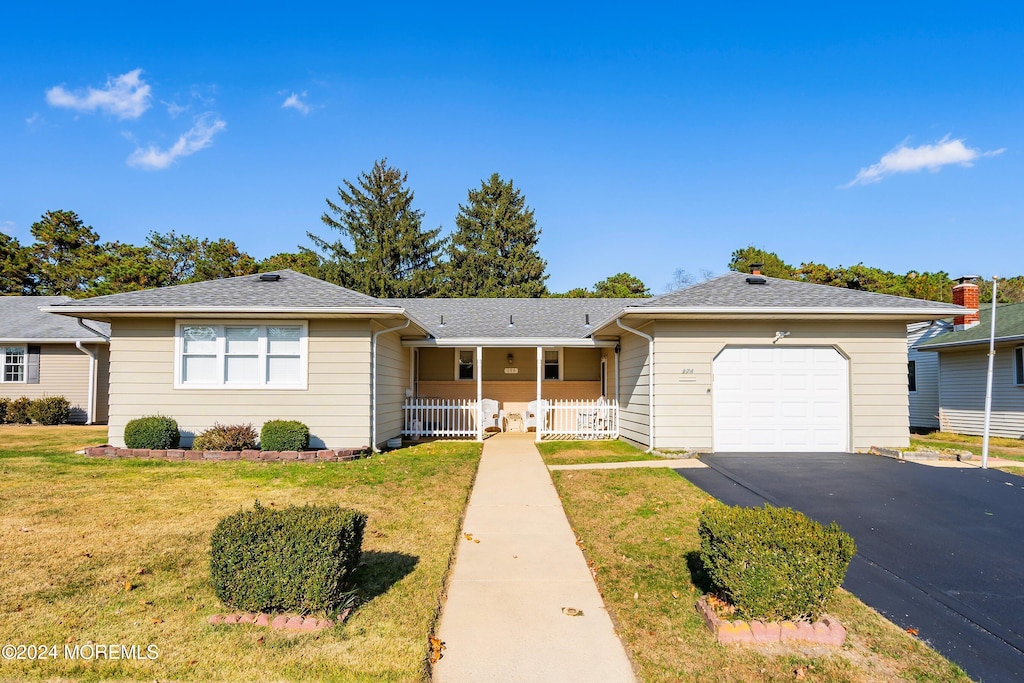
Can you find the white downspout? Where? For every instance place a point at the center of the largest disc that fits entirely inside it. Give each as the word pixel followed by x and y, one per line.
pixel 90 408
pixel 650 379
pixel 373 382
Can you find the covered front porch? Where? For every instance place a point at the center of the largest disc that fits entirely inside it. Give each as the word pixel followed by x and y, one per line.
pixel 556 392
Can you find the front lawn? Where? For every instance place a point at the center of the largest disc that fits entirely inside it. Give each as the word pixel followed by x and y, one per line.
pixel 1011 449
pixel 638 529
pixel 580 452
pixel 117 552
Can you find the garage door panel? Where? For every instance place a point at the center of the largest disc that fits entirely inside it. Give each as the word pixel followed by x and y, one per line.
pixel 781 399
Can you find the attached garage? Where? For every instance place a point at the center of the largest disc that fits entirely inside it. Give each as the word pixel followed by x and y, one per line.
pixel 781 399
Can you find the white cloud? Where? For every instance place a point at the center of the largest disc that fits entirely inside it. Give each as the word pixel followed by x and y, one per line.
pixel 905 159
pixel 174 109
pixel 126 96
pixel 200 136
pixel 294 101
pixel 34 120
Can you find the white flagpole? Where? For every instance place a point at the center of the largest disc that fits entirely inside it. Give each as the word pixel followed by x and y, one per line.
pixel 988 382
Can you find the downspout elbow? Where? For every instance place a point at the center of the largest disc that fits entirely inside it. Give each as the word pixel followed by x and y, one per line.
pixel 373 381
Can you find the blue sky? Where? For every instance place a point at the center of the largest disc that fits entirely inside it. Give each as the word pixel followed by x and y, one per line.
pixel 646 137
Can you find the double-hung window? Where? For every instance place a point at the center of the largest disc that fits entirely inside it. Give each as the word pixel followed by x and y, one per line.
pixel 465 360
pixel 15 360
pixel 241 355
pixel 1018 366
pixel 552 364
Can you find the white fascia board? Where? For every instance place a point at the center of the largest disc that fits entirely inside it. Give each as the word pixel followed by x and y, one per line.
pixel 53 340
pixel 508 342
pixel 772 310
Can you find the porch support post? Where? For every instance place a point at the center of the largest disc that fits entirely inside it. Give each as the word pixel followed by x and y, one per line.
pixel 479 369
pixel 412 371
pixel 540 374
pixel 618 398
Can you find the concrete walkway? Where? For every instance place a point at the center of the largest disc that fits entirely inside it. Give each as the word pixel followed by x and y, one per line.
pixel 503 619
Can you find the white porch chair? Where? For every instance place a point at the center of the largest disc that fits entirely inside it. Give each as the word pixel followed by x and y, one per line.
pixel 534 409
pixel 491 415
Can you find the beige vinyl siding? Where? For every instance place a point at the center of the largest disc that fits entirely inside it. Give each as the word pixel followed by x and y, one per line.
pixel 685 352
pixel 392 381
pixel 64 371
pixel 634 369
pixel 924 403
pixel 962 392
pixel 335 406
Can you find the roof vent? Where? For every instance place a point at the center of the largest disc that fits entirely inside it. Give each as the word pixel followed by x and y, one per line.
pixel 510 323
pixel 755 268
pixel 269 277
pixel 586 320
pixel 756 280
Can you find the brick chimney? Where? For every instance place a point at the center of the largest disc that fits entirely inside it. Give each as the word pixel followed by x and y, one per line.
pixel 755 268
pixel 966 294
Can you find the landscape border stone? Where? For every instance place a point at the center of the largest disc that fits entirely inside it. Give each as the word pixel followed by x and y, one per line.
pixel 178 454
pixel 827 631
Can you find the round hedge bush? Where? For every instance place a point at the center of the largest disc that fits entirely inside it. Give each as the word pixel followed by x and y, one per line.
pixel 154 431
pixel 50 410
pixel 284 435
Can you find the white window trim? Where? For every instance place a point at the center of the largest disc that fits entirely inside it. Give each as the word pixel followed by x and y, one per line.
pixel 458 354
pixel 24 363
pixel 561 364
pixel 1018 358
pixel 914 390
pixel 179 347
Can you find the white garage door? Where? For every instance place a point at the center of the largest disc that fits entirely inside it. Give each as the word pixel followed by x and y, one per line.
pixel 781 399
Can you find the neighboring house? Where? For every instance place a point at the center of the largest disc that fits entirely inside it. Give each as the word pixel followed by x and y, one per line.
pixel 923 374
pixel 51 355
pixel 962 355
pixel 742 363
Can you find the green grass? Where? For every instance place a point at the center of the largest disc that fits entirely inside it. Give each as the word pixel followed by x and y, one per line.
pixel 75 530
pixel 1011 449
pixel 580 452
pixel 638 530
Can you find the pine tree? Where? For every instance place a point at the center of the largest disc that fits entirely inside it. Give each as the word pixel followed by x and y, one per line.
pixel 15 267
pixel 66 254
pixel 383 250
pixel 493 251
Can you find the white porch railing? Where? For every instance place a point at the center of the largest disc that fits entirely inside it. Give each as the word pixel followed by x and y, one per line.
pixel 580 419
pixel 439 417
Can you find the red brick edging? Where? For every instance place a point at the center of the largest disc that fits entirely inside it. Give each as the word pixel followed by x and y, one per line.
pixel 323 455
pixel 828 631
pixel 292 622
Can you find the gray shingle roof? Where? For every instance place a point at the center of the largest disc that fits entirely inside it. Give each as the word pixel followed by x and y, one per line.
pixel 21 319
pixel 1009 325
pixel 293 290
pixel 532 318
pixel 732 291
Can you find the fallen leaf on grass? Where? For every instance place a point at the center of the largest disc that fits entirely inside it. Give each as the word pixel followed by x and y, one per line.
pixel 24 530
pixel 157 621
pixel 128 586
pixel 260 640
pixel 912 631
pixel 469 537
pixel 636 596
pixel 140 571
pixel 800 673
pixel 675 595
pixel 436 648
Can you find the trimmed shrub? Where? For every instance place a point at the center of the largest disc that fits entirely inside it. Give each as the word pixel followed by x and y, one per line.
pixel 773 563
pixel 50 410
pixel 154 431
pixel 284 435
pixel 225 438
pixel 17 411
pixel 3 409
pixel 294 559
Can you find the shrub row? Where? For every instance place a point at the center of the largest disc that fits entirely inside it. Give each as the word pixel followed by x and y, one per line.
pixel 48 410
pixel 161 433
pixel 291 559
pixel 773 563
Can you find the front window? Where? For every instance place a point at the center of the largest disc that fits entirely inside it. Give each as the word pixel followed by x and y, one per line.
pixel 552 366
pixel 1018 366
pixel 465 364
pixel 912 375
pixel 14 364
pixel 242 355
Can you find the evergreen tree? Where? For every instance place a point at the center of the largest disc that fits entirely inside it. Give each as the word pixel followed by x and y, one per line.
pixel 621 286
pixel 303 261
pixel 493 251
pixel 66 254
pixel 127 268
pixel 771 264
pixel 185 258
pixel 383 250
pixel 15 267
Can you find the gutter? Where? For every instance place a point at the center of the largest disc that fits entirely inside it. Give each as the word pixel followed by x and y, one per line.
pixel 650 380
pixel 970 342
pixel 373 382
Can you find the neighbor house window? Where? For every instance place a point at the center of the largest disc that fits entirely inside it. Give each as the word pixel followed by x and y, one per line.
pixel 14 364
pixel 466 360
pixel 912 375
pixel 1018 366
pixel 552 364
pixel 247 355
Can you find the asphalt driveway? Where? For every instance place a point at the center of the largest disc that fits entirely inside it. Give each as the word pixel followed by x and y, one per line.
pixel 940 550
